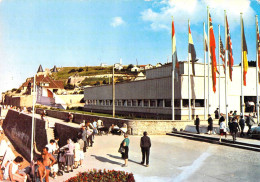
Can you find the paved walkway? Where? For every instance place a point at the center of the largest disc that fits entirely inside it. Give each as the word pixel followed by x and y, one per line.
pixel 173 159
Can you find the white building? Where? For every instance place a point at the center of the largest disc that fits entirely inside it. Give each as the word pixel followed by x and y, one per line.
pixel 152 97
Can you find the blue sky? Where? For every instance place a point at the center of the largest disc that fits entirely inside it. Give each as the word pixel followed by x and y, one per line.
pixel 90 32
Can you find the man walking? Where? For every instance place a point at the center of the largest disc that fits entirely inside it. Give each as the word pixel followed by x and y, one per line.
pixel 216 114
pixel 197 123
pixel 249 122
pixel 210 124
pixel 242 126
pixel 145 145
pixel 221 118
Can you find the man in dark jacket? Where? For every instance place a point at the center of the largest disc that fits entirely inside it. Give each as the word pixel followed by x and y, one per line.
pixel 83 134
pixel 210 124
pixel 242 126
pixel 145 145
pixel 221 118
pixel 197 123
pixel 234 129
pixel 249 122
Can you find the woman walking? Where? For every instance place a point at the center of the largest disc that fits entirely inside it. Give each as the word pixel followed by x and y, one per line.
pixel 222 130
pixel 125 144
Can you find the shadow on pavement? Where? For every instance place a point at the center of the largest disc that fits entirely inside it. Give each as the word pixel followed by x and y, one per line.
pixel 103 159
pixel 117 157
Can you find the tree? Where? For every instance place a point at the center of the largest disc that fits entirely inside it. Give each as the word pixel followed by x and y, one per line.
pixel 80 70
pixel 69 87
pixel 129 67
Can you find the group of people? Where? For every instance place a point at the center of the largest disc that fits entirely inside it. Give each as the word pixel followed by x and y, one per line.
pixel 236 123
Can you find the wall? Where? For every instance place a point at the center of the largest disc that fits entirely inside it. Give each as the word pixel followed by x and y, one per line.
pixel 26 100
pixel 71 99
pixel 155 127
pixel 17 127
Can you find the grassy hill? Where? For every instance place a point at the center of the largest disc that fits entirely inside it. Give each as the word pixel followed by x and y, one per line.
pixel 65 72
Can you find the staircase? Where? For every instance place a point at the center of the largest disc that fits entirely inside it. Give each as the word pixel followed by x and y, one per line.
pixel 215 140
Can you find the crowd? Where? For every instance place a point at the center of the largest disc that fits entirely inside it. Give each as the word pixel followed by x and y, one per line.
pixel 236 123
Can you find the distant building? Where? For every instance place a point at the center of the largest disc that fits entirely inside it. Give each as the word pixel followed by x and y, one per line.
pixel 158 65
pixel 140 76
pixel 54 69
pixel 103 65
pixel 118 66
pixel 135 69
pixel 148 66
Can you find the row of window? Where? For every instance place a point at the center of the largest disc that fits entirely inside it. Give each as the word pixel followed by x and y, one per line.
pixel 147 103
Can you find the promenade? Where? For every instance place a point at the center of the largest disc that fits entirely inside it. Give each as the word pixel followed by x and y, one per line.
pixel 173 159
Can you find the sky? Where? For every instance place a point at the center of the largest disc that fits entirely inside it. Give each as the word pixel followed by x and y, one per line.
pixel 90 32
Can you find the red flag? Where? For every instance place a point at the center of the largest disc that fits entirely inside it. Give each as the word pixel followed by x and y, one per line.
pixel 213 54
pixel 229 49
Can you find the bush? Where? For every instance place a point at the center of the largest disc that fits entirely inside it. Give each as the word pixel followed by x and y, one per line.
pixel 18 91
pixel 72 70
pixel 69 87
pixel 97 176
pixel 80 70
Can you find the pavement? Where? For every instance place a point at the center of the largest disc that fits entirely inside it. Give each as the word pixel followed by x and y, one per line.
pixel 173 159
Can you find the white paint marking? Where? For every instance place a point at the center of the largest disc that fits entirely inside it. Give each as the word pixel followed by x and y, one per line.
pixel 189 170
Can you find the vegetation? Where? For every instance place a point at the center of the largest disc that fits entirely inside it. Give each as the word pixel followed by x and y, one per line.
pixel 105 175
pixel 69 87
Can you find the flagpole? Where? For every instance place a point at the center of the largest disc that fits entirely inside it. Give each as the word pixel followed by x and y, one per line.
pixel 33 107
pixel 205 57
pixel 242 64
pixel 173 72
pixel 208 63
pixel 257 78
pixel 225 57
pixel 219 65
pixel 189 74
pixel 113 92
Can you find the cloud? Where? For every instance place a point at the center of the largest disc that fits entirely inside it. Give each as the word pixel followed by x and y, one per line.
pixel 117 21
pixel 195 10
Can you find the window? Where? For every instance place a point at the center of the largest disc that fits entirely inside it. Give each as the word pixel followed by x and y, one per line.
pixel 139 102
pixel 153 103
pixel 159 103
pixel 177 103
pixel 108 103
pixel 146 103
pixel 185 102
pixel 111 102
pixel 134 103
pixel 199 103
pixel 120 103
pixel 124 103
pixel 168 103
pixel 129 103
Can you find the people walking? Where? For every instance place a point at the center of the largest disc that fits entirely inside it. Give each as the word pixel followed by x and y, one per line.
pixel 221 118
pixel 125 144
pixel 216 114
pixel 197 123
pixel 222 130
pixel 234 129
pixel 210 124
pixel 249 122
pixel 242 126
pixel 145 145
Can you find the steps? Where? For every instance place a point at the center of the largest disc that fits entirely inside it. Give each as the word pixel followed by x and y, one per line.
pixel 215 140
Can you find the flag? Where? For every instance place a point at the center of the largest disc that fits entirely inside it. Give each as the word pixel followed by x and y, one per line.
pixel 244 51
pixel 229 49
pixel 192 52
pixel 175 62
pixel 222 54
pixel 212 47
pixel 258 44
pixel 205 42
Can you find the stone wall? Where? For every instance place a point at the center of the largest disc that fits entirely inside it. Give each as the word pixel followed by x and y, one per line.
pixel 136 127
pixel 17 127
pixel 25 100
pixel 65 132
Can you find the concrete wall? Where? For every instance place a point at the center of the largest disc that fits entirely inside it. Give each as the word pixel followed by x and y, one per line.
pixel 17 127
pixel 71 99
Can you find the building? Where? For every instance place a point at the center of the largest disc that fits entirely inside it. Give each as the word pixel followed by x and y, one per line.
pixel 152 97
pixel 135 69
